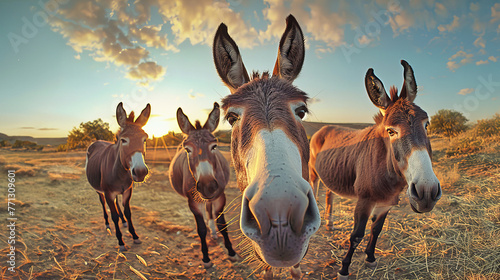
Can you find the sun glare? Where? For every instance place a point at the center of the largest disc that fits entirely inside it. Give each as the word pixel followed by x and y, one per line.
pixel 157 126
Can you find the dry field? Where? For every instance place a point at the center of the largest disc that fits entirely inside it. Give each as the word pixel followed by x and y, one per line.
pixel 60 230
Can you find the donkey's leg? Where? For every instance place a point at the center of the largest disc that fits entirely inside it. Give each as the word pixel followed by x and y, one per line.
pixel 124 222
pixel 218 206
pixel 196 209
pixel 127 194
pixel 110 200
pixel 378 219
pixel 211 220
pixel 328 208
pixel 103 203
pixel 361 214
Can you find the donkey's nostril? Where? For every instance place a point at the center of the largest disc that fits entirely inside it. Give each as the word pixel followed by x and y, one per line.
pixel 436 193
pixel 413 191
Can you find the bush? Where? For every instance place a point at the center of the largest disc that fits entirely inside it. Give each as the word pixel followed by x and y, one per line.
pixel 483 136
pixel 62 148
pixel 4 143
pixel 19 144
pixel 448 123
pixel 488 127
pixel 88 132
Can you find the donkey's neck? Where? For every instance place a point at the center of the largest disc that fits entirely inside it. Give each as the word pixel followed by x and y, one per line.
pixel 119 172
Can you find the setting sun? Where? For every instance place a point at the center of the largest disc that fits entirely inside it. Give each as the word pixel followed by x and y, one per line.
pixel 158 126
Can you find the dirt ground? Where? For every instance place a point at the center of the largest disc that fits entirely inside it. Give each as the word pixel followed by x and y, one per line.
pixel 60 231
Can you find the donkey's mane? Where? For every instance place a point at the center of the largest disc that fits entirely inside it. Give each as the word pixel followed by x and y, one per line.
pixel 410 109
pixel 197 124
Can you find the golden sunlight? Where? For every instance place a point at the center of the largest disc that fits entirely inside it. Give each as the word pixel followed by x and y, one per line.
pixel 157 126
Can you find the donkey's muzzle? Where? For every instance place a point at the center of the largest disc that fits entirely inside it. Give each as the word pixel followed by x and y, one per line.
pixel 424 197
pixel 208 188
pixel 279 216
pixel 139 174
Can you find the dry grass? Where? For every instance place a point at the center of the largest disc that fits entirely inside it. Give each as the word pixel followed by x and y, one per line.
pixel 62 234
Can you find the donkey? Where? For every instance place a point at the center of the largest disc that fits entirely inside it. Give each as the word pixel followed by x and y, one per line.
pixel 376 163
pixel 270 150
pixel 200 173
pixel 112 168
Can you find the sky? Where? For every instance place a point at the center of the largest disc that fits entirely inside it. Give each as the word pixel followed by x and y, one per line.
pixel 65 62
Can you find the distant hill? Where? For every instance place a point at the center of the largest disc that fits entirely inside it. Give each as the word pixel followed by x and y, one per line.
pixel 40 141
pixel 312 127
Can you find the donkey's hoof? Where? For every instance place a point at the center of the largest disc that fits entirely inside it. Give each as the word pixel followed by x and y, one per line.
pixel 342 277
pixel 268 274
pixel 207 265
pixel 371 264
pixel 137 241
pixel 122 248
pixel 125 225
pixel 329 225
pixel 296 272
pixel 234 258
pixel 108 230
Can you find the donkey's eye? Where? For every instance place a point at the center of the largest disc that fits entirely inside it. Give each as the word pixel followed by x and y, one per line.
pixel 301 112
pixel 232 118
pixel 391 132
pixel 124 141
pixel 188 150
pixel 214 147
pixel 426 125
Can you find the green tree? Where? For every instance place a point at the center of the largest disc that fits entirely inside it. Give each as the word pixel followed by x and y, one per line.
pixel 86 133
pixel 448 123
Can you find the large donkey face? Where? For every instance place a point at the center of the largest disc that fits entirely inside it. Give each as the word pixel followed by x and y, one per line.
pixel 405 125
pixel 201 148
pixel 269 149
pixel 132 141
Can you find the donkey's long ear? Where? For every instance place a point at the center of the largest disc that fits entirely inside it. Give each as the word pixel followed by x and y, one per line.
pixel 291 51
pixel 376 91
pixel 409 89
pixel 144 116
pixel 121 115
pixel 228 60
pixel 184 122
pixel 213 118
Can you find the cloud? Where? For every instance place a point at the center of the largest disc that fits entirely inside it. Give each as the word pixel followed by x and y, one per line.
pixel 118 32
pixel 364 40
pixel 42 128
pixel 449 27
pixel 316 18
pixel 197 21
pixel 474 7
pixel 465 91
pixel 146 71
pixel 454 65
pixel 401 22
pixel 480 62
pixel 495 12
pixel 480 42
pixel 151 37
pixel 441 9
pixel 48 128
pixel 492 58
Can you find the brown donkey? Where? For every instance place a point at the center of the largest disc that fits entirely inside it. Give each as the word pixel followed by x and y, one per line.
pixel 200 173
pixel 112 168
pixel 269 149
pixel 375 164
